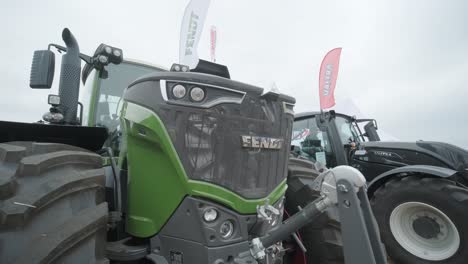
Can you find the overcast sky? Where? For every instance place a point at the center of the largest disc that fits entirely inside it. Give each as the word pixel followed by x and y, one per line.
pixel 404 63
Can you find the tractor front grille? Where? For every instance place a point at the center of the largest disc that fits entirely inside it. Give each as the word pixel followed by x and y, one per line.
pixel 208 142
pixel 207 135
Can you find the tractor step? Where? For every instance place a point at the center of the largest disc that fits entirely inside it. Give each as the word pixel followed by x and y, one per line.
pixel 126 250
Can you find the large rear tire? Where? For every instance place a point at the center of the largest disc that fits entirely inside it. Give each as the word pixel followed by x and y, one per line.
pixel 322 237
pixel 52 207
pixel 423 220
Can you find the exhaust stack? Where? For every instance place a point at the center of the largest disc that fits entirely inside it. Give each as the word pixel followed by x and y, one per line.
pixel 69 85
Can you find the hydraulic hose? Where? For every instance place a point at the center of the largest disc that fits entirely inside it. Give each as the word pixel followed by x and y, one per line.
pixel 295 222
pixel 118 202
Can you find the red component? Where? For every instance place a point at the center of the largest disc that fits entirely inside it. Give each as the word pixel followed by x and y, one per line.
pixel 298 257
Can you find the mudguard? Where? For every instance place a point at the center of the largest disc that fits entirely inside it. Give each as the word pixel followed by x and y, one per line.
pixel 91 138
pixel 423 169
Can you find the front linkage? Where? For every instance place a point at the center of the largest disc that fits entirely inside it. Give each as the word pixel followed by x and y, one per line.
pixel 342 187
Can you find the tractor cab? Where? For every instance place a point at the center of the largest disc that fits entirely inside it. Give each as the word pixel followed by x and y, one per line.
pixel 102 93
pixel 102 97
pixel 327 137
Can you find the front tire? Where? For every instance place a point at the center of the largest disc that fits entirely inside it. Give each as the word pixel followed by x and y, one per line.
pixel 52 207
pixel 423 220
pixel 322 237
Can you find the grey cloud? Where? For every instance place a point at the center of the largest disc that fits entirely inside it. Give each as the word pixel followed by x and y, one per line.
pixel 403 62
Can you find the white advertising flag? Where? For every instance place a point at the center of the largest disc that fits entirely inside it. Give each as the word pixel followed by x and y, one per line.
pixel 191 30
pixel 213 36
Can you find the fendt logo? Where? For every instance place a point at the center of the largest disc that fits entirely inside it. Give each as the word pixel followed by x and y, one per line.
pixel 261 142
pixel 192 32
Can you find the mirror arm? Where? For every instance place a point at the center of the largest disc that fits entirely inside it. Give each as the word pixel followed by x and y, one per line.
pixel 85 58
pixel 356 124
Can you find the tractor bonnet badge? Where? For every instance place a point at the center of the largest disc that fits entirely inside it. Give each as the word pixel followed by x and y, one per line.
pixel 261 142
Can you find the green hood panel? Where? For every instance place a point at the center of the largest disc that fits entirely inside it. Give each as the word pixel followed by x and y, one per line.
pixel 157 181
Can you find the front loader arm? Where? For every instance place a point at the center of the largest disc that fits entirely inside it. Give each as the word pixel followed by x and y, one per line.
pixel 343 187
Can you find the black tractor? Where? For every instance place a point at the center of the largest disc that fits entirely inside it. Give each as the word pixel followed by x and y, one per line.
pixel 417 189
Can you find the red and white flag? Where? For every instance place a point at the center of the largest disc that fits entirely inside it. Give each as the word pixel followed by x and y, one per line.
pixel 213 36
pixel 327 78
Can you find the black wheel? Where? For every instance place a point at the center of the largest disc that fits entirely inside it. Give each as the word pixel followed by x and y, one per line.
pixel 423 220
pixel 52 207
pixel 322 238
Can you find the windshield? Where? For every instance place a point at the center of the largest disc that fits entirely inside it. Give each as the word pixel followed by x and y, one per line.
pixel 108 93
pixel 311 142
pixel 314 143
pixel 346 130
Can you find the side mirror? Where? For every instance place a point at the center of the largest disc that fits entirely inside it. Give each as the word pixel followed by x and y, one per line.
pixel 371 131
pixel 42 69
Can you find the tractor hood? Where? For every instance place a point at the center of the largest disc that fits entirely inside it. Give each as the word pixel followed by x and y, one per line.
pixel 420 152
pixel 236 136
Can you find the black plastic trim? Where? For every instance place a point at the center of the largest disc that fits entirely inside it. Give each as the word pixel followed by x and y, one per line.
pixel 424 169
pixel 91 138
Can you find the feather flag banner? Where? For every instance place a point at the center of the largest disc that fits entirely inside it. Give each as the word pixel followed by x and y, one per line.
pixel 191 30
pixel 327 78
pixel 213 35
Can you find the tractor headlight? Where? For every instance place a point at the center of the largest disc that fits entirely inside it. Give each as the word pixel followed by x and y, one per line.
pixel 179 68
pixel 179 91
pixel 103 59
pixel 197 94
pixel 53 99
pixel 117 53
pixel 226 229
pixel 108 50
pixel 210 215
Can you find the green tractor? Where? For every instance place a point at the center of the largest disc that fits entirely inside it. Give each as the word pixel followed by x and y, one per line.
pixel 148 165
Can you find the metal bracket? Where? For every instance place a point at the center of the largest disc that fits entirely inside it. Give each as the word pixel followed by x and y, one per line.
pixel 267 211
pixel 257 250
pixel 359 230
pixel 344 187
pixel 114 218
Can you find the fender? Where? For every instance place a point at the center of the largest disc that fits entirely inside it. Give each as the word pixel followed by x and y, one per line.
pixel 91 138
pixel 423 169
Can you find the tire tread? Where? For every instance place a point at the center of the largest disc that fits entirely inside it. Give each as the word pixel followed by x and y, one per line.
pixel 322 238
pixel 37 178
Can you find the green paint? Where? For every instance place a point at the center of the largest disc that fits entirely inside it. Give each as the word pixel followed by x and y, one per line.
pixel 157 181
pixel 231 199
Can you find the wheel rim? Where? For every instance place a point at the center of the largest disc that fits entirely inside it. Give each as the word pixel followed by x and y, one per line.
pixel 444 238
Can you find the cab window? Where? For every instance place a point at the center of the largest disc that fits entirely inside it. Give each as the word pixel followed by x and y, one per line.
pixel 346 130
pixel 310 142
pixel 109 97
